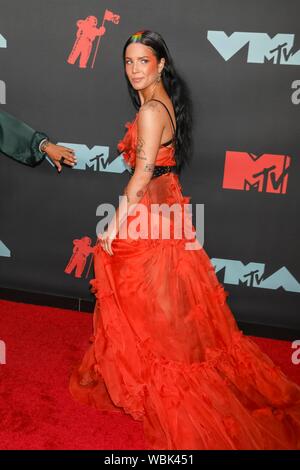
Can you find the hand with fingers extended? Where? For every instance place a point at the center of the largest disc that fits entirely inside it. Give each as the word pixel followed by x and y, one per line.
pixel 59 154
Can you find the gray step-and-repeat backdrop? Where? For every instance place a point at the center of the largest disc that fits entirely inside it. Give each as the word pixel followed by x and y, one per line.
pixel 241 60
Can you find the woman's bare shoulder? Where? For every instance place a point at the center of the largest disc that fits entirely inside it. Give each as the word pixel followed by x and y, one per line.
pixel 150 111
pixel 160 108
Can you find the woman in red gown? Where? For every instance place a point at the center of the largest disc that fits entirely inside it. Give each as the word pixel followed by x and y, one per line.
pixel 166 348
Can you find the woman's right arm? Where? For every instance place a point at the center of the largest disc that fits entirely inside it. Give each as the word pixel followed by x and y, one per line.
pixel 150 127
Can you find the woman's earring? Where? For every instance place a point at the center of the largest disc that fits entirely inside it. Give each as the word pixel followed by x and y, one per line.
pixel 158 77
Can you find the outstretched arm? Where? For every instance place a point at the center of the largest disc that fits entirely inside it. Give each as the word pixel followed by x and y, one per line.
pixel 19 141
pixel 26 145
pixel 149 132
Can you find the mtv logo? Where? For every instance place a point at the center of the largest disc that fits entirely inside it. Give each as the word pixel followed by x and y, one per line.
pixel 2 92
pixel 95 159
pixel 4 251
pixel 261 47
pixel 3 42
pixel 263 173
pixel 253 275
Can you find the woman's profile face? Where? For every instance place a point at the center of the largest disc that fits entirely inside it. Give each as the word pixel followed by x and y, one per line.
pixel 141 65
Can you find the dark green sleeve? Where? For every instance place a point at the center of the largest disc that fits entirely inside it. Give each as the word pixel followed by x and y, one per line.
pixel 19 141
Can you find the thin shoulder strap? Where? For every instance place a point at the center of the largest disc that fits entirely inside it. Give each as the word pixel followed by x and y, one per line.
pixel 153 99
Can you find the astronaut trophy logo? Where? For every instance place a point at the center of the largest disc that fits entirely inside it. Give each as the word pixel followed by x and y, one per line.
pixel 82 251
pixel 87 32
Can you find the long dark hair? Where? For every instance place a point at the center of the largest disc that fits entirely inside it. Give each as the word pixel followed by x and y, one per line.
pixel 175 87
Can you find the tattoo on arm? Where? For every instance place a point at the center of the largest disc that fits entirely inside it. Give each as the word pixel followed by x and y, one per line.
pixel 140 193
pixel 152 105
pixel 149 167
pixel 140 153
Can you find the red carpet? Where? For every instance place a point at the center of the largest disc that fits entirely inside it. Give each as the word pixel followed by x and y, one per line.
pixel 37 412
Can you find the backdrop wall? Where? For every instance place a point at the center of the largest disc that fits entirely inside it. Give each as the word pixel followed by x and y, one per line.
pixel 241 61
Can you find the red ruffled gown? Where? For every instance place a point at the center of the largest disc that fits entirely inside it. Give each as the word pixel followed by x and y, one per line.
pixel 167 350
